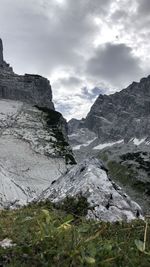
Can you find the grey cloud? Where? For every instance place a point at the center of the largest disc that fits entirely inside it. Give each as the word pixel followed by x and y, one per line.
pixel 96 91
pixel 144 7
pixel 119 15
pixel 64 108
pixel 114 63
pixel 70 81
pixel 42 35
pixel 92 93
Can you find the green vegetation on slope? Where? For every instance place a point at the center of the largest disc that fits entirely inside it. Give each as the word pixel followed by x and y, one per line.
pixel 52 116
pixel 46 236
pixel 127 176
pixel 121 173
pixel 55 122
pixel 63 147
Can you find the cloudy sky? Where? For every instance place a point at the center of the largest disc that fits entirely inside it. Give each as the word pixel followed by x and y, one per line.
pixel 84 47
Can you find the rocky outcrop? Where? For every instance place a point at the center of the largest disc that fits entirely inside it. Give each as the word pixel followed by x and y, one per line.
pixel 107 202
pixel 29 88
pixel 33 137
pixel 34 152
pixel 123 115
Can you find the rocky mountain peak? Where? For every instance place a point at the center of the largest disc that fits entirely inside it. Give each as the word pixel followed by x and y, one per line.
pixel 122 115
pixel 30 88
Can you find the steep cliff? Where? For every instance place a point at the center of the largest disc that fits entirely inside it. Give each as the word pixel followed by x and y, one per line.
pixel 29 88
pixel 123 115
pixel 33 137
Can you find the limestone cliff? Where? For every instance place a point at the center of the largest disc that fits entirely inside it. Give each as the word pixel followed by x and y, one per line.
pixel 123 115
pixel 33 137
pixel 29 88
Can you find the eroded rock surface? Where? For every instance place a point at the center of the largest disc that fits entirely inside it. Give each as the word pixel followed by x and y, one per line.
pixel 89 179
pixel 33 153
pixel 122 115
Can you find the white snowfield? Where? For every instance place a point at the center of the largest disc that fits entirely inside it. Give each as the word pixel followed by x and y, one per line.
pixel 101 146
pixel 89 178
pixel 28 159
pixel 135 141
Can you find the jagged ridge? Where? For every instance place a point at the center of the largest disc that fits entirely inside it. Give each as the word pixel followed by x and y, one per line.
pixel 123 115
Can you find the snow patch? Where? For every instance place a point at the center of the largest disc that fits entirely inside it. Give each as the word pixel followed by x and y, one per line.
pixel 137 142
pixel 84 145
pixel 101 146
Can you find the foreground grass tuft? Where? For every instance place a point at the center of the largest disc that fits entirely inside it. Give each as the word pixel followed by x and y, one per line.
pixel 46 236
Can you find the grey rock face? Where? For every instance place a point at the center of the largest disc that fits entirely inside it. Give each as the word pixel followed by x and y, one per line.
pixel 123 115
pixel 33 137
pixel 129 166
pixel 107 202
pixel 29 88
pixel 34 152
pixel 74 124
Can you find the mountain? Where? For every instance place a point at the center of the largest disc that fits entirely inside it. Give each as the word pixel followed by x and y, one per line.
pixel 117 131
pixel 123 115
pixel 33 137
pixel 36 161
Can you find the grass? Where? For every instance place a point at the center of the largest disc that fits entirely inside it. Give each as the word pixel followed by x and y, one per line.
pixel 103 156
pixel 127 176
pixel 46 236
pixel 138 158
pixel 121 173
